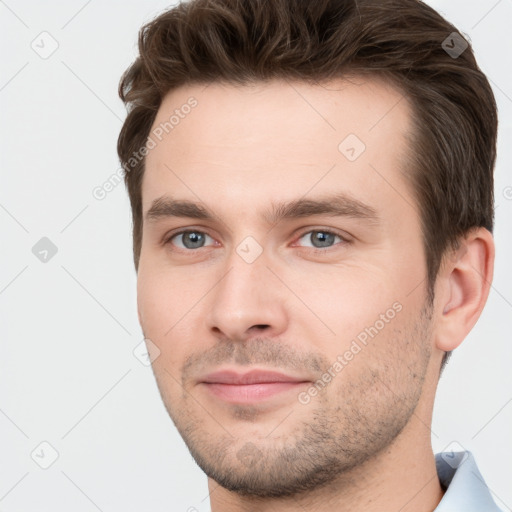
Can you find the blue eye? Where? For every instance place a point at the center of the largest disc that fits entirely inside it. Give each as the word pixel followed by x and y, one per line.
pixel 189 239
pixel 321 238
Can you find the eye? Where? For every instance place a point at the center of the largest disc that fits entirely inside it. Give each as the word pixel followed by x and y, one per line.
pixel 190 239
pixel 194 239
pixel 322 238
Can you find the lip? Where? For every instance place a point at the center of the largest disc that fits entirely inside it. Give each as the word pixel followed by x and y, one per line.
pixel 249 387
pixel 250 377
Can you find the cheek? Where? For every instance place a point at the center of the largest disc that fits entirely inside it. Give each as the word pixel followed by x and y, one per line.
pixel 163 296
pixel 384 359
pixel 347 301
pixel 153 301
pixel 163 304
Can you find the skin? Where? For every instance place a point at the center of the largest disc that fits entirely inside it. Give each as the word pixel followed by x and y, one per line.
pixel 363 441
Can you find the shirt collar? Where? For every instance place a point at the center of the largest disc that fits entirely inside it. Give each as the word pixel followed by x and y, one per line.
pixel 465 488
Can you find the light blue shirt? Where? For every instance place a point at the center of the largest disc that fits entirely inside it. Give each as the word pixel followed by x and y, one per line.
pixel 466 490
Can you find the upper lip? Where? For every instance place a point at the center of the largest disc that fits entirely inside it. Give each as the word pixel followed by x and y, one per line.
pixel 250 377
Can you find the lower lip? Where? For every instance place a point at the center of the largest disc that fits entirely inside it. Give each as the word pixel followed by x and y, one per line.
pixel 246 393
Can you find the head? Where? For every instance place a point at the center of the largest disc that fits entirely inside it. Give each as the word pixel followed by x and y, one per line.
pixel 311 184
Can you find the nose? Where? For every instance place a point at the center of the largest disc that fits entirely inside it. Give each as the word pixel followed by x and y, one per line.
pixel 247 301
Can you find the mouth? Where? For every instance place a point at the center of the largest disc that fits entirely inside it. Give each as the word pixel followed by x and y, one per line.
pixel 250 387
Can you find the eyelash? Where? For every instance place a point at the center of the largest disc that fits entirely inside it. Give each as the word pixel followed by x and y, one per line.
pixel 315 250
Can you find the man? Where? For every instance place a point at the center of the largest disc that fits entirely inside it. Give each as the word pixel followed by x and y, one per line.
pixel 312 194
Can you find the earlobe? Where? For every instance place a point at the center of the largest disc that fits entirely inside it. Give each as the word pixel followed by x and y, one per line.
pixel 466 282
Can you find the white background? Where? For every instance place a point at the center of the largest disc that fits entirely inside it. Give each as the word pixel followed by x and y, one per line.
pixel 68 327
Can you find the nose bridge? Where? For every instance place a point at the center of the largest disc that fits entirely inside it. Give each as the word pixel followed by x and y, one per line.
pixel 247 295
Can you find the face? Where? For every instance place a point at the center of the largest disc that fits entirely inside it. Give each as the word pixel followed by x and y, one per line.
pixel 281 278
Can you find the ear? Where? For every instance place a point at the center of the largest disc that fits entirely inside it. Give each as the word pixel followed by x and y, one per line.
pixel 464 284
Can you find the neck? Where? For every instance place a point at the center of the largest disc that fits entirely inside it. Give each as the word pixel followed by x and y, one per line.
pixel 402 478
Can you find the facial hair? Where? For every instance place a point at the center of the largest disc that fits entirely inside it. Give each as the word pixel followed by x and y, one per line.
pixel 348 423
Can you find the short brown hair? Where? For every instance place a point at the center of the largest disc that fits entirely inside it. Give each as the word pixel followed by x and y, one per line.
pixel 405 41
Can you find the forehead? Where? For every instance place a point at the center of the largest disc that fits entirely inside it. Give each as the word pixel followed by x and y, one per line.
pixel 242 146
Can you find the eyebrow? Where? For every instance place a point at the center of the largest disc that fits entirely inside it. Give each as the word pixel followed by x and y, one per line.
pixel 336 205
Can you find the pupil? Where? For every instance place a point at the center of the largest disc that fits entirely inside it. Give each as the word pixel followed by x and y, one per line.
pixel 192 240
pixel 324 239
